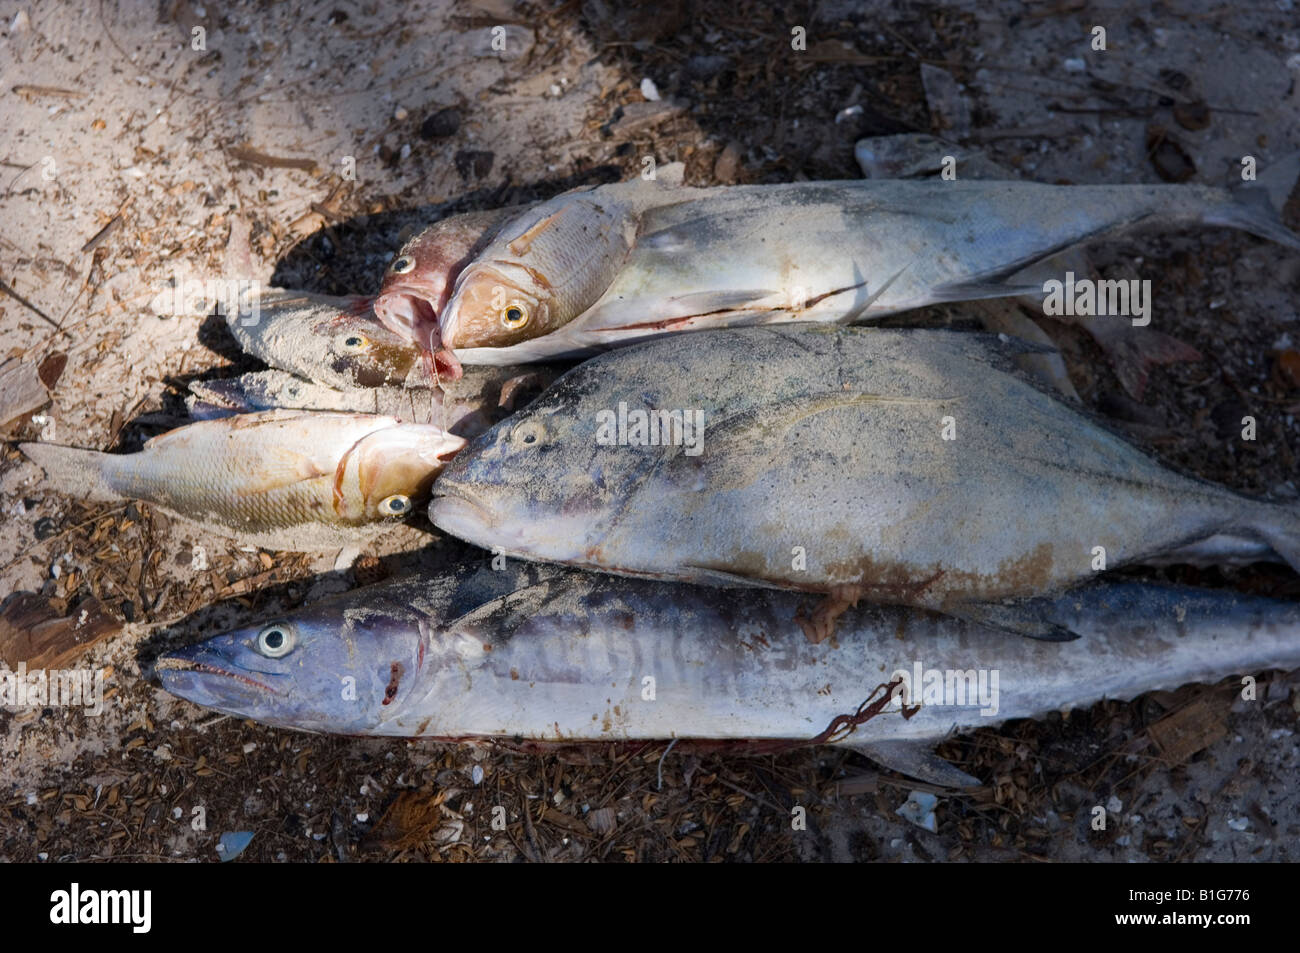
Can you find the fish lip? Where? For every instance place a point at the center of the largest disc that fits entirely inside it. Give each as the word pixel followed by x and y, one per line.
pixel 180 663
pixel 457 512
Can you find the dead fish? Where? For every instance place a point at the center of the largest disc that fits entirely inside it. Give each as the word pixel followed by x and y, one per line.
pixel 904 466
pixel 464 407
pixel 333 341
pixel 418 282
pixel 545 266
pixel 283 479
pixel 1131 351
pixel 532 653
pixel 849 252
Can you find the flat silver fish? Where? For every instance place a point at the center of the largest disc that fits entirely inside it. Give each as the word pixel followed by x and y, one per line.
pixel 905 466
pixel 533 653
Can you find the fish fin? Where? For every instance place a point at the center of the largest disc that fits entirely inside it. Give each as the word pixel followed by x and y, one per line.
pixel 974 289
pixel 859 313
pixel 707 302
pixel 1132 352
pixel 1278 525
pixel 916 759
pixel 520 244
pixel 724 580
pixel 1006 317
pixel 84 472
pixel 1018 618
pixel 1253 208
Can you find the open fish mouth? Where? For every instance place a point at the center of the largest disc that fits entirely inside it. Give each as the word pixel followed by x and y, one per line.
pixel 406 309
pixel 180 664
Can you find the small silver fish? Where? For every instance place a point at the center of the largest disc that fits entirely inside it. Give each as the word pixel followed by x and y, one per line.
pixel 537 654
pixel 905 466
pixel 333 341
pixel 464 407
pixel 283 479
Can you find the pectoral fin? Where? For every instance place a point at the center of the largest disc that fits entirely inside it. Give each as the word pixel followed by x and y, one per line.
pixel 916 759
pixel 1018 618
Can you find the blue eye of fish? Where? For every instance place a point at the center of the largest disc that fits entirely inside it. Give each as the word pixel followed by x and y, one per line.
pixel 395 504
pixel 514 317
pixel 403 265
pixel 275 640
pixel 354 342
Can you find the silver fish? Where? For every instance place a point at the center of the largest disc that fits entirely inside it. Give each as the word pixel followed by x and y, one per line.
pixel 333 341
pixel 283 479
pixel 849 252
pixel 464 407
pixel 905 466
pixel 538 654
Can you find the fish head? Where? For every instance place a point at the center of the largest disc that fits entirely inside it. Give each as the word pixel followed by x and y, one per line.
pixel 342 670
pixel 539 483
pixel 497 304
pixel 361 352
pixel 389 472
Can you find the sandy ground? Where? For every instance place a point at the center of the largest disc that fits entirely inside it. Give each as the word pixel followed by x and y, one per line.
pixel 113 118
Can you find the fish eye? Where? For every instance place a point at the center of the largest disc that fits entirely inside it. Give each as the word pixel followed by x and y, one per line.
pixel 354 343
pixel 403 265
pixel 275 640
pixel 395 505
pixel 514 317
pixel 529 432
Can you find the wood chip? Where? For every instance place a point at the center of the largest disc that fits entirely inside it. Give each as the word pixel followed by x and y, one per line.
pixel 34 632
pixel 1184 732
pixel 21 391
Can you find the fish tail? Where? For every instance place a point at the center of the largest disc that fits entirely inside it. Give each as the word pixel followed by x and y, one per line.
pixel 1278 525
pixel 85 473
pixel 1255 207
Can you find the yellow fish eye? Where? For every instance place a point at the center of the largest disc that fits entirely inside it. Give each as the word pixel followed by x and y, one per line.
pixel 395 505
pixel 402 266
pixel 275 640
pixel 354 343
pixel 514 317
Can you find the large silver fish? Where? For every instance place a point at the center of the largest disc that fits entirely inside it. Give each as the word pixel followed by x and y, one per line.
pixel 905 466
pixel 283 479
pixel 538 654
pixel 842 252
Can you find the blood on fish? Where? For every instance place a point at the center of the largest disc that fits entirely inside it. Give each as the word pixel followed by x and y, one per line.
pixel 394 679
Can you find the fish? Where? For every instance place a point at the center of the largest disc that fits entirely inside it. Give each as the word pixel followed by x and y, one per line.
pixel 546 266
pixel 905 466
pixel 418 282
pixel 844 252
pixel 1130 350
pixel 465 407
pixel 539 654
pixel 333 341
pixel 280 479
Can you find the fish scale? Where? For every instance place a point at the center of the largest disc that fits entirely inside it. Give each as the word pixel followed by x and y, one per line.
pixel 830 443
pixel 539 654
